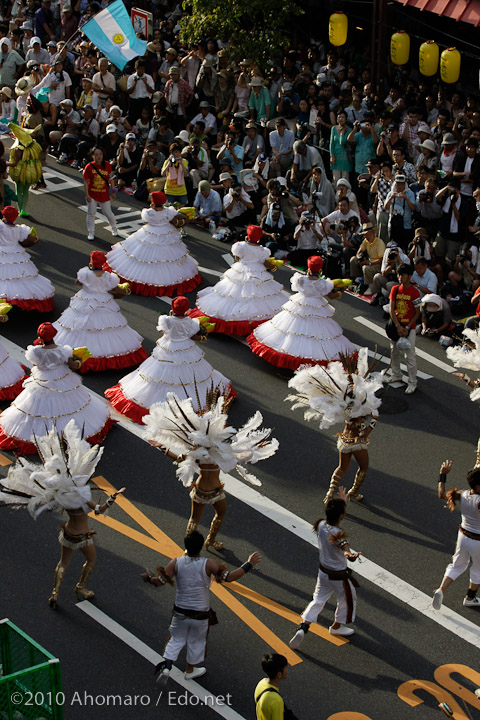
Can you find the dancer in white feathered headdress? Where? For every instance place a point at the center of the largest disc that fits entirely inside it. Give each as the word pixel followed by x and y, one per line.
pixel 206 445
pixel 60 484
pixel 343 392
pixel 467 356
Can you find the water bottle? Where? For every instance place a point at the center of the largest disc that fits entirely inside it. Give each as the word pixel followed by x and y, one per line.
pixel 212 228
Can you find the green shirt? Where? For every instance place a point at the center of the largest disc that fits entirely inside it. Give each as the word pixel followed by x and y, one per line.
pixel 270 706
pixel 260 102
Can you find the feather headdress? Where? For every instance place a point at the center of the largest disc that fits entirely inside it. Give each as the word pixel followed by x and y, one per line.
pixel 61 482
pixel 207 438
pixel 467 355
pixel 339 392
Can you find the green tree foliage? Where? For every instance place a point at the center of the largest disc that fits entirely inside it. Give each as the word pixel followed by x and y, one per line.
pixel 256 29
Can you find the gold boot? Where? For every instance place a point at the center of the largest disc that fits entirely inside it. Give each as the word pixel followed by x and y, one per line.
pixel 353 493
pixel 335 481
pixel 192 525
pixel 212 534
pixel 80 589
pixel 58 577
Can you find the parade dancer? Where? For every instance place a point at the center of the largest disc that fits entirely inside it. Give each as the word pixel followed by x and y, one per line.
pixel 154 259
pixel 176 361
pixel 93 320
pixel 25 165
pixel 192 614
pixel 12 374
pixel 246 295
pixel 467 549
pixel 206 444
pixel 51 396
pixel 61 485
pixel 20 283
pixel 467 355
pixel 343 392
pixel 303 332
pixel 333 575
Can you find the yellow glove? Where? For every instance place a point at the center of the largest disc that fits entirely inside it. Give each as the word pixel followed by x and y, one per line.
pixel 206 324
pixel 125 286
pixel 341 283
pixel 189 212
pixel 81 353
pixel 4 307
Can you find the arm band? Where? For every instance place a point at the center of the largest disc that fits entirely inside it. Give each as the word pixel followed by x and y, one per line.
pixel 97 510
pixel 110 500
pixel 442 478
pixel 246 566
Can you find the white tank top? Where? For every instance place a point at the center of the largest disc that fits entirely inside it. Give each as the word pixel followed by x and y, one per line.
pixel 193 584
pixel 469 507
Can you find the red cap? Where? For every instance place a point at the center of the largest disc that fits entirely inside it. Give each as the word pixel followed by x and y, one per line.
pixel 10 213
pixel 254 233
pixel 46 332
pixel 315 264
pixel 158 197
pixel 97 260
pixel 180 305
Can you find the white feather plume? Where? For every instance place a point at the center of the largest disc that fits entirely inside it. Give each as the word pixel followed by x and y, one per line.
pixel 464 356
pixel 61 482
pixel 331 395
pixel 207 438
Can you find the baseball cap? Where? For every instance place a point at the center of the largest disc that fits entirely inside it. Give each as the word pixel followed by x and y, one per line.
pixel 400 178
pixel 110 129
pixel 130 136
pixel 67 101
pixel 204 104
pixel 35 40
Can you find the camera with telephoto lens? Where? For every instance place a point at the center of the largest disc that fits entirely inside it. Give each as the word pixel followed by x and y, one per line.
pixel 363 255
pixel 452 194
pixel 463 257
pixel 236 193
pixel 392 254
pixel 284 193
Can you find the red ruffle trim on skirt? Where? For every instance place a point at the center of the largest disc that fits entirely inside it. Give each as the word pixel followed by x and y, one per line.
pixel 280 359
pixel 239 327
pixel 160 290
pixel 117 362
pixel 21 447
pixel 38 305
pixel 11 391
pixel 133 410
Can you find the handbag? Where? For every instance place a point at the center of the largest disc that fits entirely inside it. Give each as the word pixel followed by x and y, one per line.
pixel 390 328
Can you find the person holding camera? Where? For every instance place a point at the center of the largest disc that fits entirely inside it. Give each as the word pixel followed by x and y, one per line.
pixel 278 193
pixel 238 206
pixel 128 161
pixel 233 152
pixel 404 313
pixel 68 124
pixel 389 141
pixel 178 96
pixel 322 193
pixel 380 187
pixel 281 142
pixel 140 88
pixel 368 258
pixel 365 139
pixel 466 168
pixel 276 232
pixel 150 167
pixel 59 83
pixel 466 270
pixel 452 223
pixel 384 280
pixel 305 158
pixel 175 169
pixel 307 238
pixel 197 158
pixel 436 316
pixel 88 131
pixel 400 204
pixel 428 210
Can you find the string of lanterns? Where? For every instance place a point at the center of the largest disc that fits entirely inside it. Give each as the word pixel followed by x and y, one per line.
pixel 429 53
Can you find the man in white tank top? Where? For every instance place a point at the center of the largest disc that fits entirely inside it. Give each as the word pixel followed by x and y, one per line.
pixel 191 612
pixel 468 540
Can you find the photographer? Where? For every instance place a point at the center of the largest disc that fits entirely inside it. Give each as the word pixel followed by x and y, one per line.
pixel 276 230
pixel 305 158
pixel 400 204
pixel 384 280
pixel 140 88
pixel 150 167
pixel 238 206
pixel 277 193
pixel 452 223
pixel 428 210
pixel 436 316
pixel 233 152
pixel 128 161
pixel 369 256
pixel 197 158
pixel 89 130
pixel 342 214
pixel 307 239
pixel 322 193
pixel 60 83
pixel 175 169
pixel 466 270
pixel 67 124
pixel 366 141
pixel 381 186
pixel 390 140
pixel 466 169
pixel 349 232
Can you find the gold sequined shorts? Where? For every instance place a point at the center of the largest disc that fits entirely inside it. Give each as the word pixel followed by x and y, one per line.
pixel 207 497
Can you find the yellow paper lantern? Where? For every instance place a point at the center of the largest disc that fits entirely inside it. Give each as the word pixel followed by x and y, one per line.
pixel 428 58
pixel 338 28
pixel 450 65
pixel 400 47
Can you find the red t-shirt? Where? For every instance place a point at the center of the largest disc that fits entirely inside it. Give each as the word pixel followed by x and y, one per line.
pixel 404 306
pixel 97 178
pixel 477 309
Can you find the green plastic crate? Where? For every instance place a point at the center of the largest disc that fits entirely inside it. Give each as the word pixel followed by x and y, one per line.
pixel 30 678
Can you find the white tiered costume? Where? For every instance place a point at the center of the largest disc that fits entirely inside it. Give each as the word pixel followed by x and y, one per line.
pixel 93 319
pixel 20 282
pixel 12 375
pixel 245 296
pixel 52 396
pixel 304 331
pixel 175 361
pixel 154 260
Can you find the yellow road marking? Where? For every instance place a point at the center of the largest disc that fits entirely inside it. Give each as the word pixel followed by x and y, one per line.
pixel 4 460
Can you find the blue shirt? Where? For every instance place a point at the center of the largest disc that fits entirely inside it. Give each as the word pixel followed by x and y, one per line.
pixel 239 152
pixel 365 149
pixel 210 204
pixel 399 206
pixel 428 280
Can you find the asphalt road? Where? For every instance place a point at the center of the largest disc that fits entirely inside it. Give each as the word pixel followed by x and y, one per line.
pixel 401 528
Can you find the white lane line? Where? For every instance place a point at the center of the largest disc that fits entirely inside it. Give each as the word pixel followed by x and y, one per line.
pixel 228 259
pixel 207 271
pixel 225 711
pixel 385 580
pixel 386 360
pixel 421 353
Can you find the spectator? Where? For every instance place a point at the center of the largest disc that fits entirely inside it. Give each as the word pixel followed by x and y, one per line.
pixel 466 168
pixel 59 83
pixel 175 169
pixel 307 239
pixel 400 203
pixel 253 145
pixel 466 270
pixel 197 162
pixel 368 259
pixel 447 156
pixel 344 189
pixel 305 158
pixel 420 246
pixel 69 22
pixel 128 161
pixel 356 111
pixel 11 64
pixel 104 83
pixel 365 139
pixel 409 130
pixel 259 102
pixel 87 96
pixel 232 152
pixel 109 144
pixel 404 313
pixel 206 80
pixel 44 28
pixel 140 89
pixel 341 215
pixel 452 224
pixel 37 53
pixel 390 140
pixel 276 231
pixel 208 204
pixel 288 104
pixel 423 278
pixel 281 142
pixel 428 209
pixel 340 163
pixel 67 124
pixel 206 116
pixel 238 206
pixel 143 125
pixel 427 155
pixel 381 186
pixel 89 132
pixel 436 316
pixel 322 193
pixel 162 135
pixel 178 96
pixel 277 193
pixel 224 96
pixel 384 280
pixel 8 108
pixel 269 702
pixel 402 167
pixel 150 167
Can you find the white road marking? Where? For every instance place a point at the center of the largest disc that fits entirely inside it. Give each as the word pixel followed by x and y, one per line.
pixel 56 182
pixel 106 622
pixel 207 271
pixel 228 259
pixel 387 581
pixel 386 360
pixel 421 353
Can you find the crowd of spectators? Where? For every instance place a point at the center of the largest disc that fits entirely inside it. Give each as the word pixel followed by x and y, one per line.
pixel 305 146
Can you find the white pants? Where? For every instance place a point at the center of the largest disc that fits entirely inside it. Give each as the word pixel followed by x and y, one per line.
pixel 339 174
pixel 189 632
pixel 198 175
pixel 466 550
pixel 410 359
pixel 106 209
pixel 346 606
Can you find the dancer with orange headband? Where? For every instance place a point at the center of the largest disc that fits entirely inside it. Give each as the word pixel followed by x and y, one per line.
pixel 177 364
pixel 93 320
pixel 20 283
pixel 303 332
pixel 52 395
pixel 154 260
pixel 246 294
